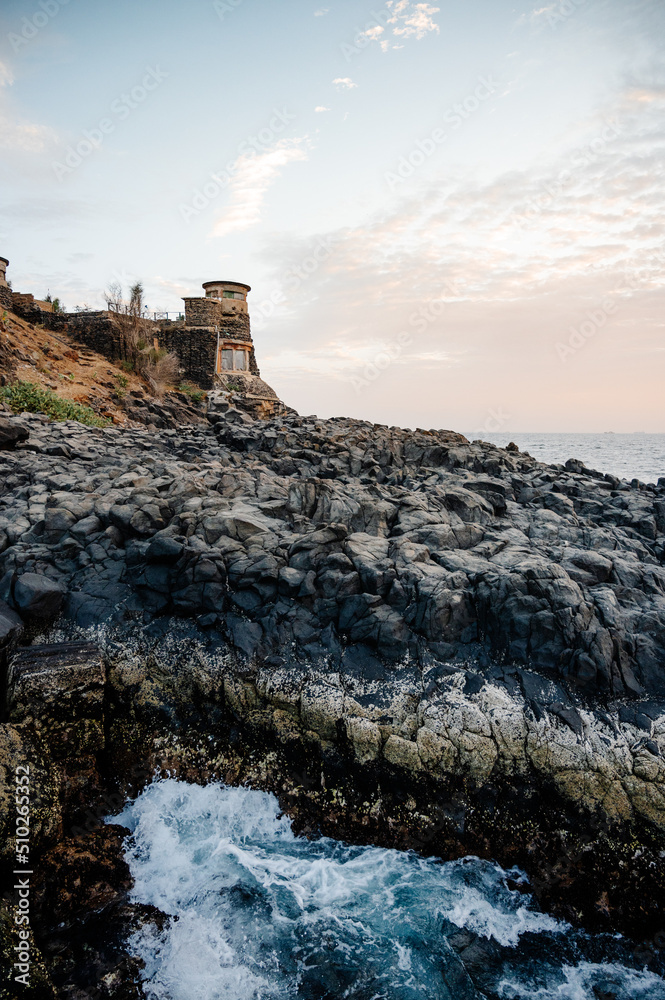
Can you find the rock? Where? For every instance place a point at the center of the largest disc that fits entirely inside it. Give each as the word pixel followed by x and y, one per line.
pixel 63 681
pixel 402 753
pixel 57 523
pixel 21 753
pixel 586 566
pixel 38 596
pixel 11 434
pixel 164 548
pixel 87 526
pixel 11 626
pixel 365 737
pixel 413 604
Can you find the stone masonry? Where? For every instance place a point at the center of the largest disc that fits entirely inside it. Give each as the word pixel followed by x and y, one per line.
pixel 5 290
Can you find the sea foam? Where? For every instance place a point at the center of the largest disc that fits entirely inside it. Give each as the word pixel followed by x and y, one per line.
pixel 260 913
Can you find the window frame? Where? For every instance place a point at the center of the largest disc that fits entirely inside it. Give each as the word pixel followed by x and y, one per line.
pixel 233 349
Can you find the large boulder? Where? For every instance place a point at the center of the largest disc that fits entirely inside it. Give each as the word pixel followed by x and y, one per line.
pixel 10 434
pixel 38 596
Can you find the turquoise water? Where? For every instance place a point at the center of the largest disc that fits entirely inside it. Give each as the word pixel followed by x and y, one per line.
pixel 261 913
pixel 628 456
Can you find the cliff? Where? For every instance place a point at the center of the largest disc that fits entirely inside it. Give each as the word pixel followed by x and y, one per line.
pixel 412 639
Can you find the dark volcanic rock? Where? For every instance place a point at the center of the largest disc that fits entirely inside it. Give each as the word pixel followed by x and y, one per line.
pixel 396 539
pixel 405 605
pixel 11 626
pixel 37 596
pixel 10 434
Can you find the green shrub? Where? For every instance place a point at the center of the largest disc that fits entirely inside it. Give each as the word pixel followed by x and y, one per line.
pixel 192 391
pixel 22 396
pixel 127 366
pixel 122 380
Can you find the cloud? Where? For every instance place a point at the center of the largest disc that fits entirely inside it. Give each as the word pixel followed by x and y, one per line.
pixel 25 137
pixel 6 75
pixel 344 83
pixel 341 359
pixel 403 19
pixel 320 109
pixel 321 12
pixel 254 175
pixel 412 19
pixel 16 134
pixel 539 14
pixel 486 279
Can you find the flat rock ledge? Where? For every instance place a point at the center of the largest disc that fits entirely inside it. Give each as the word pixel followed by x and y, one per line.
pixel 411 639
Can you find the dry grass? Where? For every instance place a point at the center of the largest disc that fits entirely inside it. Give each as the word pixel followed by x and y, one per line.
pixel 159 368
pixel 57 362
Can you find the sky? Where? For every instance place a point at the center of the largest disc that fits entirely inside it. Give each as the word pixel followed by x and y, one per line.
pixel 450 214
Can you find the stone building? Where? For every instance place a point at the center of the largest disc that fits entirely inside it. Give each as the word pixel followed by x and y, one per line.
pixel 214 344
pixel 5 290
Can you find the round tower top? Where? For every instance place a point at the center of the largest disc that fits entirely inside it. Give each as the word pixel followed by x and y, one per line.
pixel 228 286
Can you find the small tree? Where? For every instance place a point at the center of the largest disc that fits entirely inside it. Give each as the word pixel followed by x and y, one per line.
pixel 113 296
pixel 136 300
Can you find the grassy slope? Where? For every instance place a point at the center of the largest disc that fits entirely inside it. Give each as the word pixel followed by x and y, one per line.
pixel 58 363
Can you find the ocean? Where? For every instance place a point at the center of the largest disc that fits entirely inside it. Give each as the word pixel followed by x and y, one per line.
pixel 262 914
pixel 628 456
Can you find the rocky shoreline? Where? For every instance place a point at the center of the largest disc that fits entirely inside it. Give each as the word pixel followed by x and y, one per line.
pixel 412 639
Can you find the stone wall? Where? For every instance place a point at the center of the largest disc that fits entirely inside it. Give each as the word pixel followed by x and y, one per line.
pixel 195 342
pixel 25 306
pixel 196 348
pixel 99 331
pixel 237 328
pixel 202 312
pixel 5 297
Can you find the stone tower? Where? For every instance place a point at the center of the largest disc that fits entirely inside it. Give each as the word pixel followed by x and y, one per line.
pixel 5 290
pixel 216 347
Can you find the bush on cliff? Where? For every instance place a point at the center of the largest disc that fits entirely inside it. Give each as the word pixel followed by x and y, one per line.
pixel 22 396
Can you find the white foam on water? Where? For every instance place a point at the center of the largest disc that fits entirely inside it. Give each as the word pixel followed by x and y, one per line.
pixel 587 981
pixel 193 961
pixel 259 914
pixel 477 914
